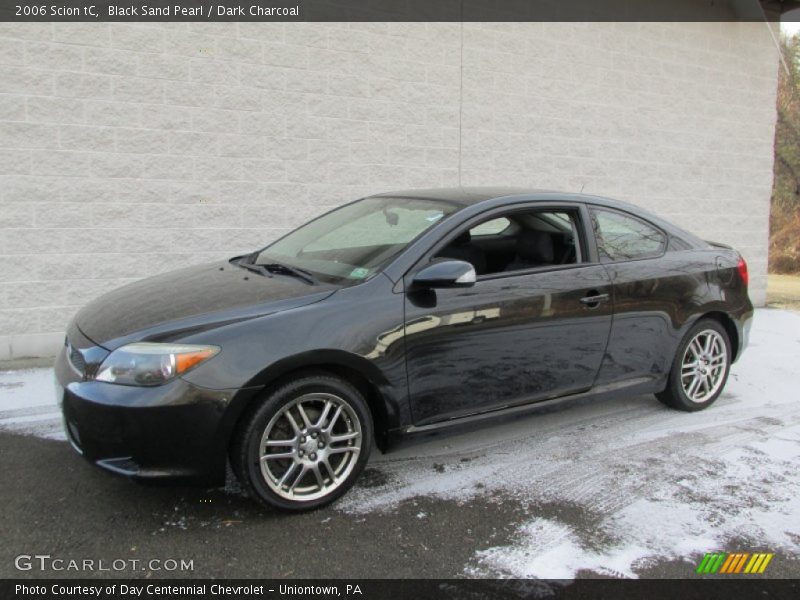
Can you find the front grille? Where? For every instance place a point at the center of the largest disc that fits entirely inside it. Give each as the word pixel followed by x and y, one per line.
pixel 76 359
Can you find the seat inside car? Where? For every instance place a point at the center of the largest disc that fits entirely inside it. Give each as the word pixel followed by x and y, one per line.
pixel 534 249
pixel 462 248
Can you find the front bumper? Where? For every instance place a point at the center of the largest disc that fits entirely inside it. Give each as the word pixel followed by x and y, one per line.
pixel 176 431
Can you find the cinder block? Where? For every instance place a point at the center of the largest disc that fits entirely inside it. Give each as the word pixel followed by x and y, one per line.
pixel 213 72
pixel 189 94
pixel 116 165
pixel 137 148
pixel 79 137
pixel 82 34
pixel 216 120
pixel 19 80
pixel 15 162
pixel 12 52
pixel 110 113
pixel 54 56
pixel 138 89
pixel 137 36
pixel 29 31
pixel 19 321
pixel 163 67
pixel 240 50
pixel 29 189
pixel 110 62
pixel 16 216
pixel 168 167
pixel 28 135
pixel 141 141
pixel 192 143
pixel 60 216
pixel 238 98
pixel 153 116
pixel 12 107
pixel 189 44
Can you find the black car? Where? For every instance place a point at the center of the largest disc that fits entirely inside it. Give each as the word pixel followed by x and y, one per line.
pixel 398 313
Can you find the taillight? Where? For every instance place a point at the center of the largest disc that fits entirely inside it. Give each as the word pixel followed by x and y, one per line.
pixel 742 268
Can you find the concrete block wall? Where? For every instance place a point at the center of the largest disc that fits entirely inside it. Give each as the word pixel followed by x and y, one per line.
pixel 130 149
pixel 676 117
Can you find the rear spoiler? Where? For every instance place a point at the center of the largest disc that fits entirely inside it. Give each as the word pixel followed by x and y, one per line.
pixel 718 245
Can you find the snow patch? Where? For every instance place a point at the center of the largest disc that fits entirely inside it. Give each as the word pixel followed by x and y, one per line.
pixel 641 482
pixel 28 403
pixel 550 550
pixel 645 482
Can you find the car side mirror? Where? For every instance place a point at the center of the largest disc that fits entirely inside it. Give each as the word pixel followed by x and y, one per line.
pixel 446 274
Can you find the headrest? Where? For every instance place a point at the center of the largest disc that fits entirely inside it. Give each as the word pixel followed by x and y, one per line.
pixel 535 246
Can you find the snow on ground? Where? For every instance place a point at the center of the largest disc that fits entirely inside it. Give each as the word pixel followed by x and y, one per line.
pixel 611 486
pixel 606 486
pixel 28 403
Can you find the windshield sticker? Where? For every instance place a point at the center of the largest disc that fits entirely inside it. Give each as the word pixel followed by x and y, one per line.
pixel 433 217
pixel 359 273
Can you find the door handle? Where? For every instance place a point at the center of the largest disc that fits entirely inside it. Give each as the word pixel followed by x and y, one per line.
pixel 594 300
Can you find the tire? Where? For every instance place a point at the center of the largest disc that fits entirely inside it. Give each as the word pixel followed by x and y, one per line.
pixel 320 426
pixel 699 371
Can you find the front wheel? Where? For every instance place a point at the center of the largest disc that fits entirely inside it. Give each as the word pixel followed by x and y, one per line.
pixel 700 368
pixel 305 445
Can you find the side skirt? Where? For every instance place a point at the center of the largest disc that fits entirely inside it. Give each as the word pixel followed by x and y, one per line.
pixel 635 387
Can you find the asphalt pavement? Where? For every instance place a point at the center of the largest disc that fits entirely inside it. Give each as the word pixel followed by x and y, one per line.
pixel 622 488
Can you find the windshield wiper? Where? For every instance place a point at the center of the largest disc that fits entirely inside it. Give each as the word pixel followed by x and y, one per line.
pixel 267 269
pixel 289 270
pixel 260 269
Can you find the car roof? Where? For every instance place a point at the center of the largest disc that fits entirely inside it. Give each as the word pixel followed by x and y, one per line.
pixel 467 196
pixel 498 196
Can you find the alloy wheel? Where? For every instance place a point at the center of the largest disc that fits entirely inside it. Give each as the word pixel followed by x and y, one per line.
pixel 310 446
pixel 703 366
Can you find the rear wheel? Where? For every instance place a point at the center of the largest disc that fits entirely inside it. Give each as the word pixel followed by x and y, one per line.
pixel 700 369
pixel 305 445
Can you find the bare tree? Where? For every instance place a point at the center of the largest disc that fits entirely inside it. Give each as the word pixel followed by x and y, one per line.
pixel 784 250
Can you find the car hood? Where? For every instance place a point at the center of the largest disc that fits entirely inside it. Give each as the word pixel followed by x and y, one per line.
pixel 190 300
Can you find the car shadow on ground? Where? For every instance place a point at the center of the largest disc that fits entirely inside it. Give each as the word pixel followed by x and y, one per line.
pixel 56 503
pixel 388 526
pixel 59 504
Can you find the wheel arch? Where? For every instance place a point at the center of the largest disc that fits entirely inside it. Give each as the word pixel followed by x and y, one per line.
pixel 356 370
pixel 730 327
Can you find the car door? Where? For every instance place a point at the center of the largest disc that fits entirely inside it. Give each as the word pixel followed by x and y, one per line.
pixel 651 289
pixel 514 337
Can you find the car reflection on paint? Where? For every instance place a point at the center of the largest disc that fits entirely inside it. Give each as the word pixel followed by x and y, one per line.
pixel 395 314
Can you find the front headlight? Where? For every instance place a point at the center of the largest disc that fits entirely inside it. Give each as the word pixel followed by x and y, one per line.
pixel 146 363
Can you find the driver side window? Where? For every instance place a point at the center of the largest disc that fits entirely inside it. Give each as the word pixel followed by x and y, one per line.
pixel 518 241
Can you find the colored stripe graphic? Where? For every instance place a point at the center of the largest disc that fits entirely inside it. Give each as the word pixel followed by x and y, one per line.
pixel 755 563
pixel 727 564
pixel 730 564
pixel 711 562
pixel 701 568
pixel 740 564
pixel 717 562
pixel 764 564
pixel 735 562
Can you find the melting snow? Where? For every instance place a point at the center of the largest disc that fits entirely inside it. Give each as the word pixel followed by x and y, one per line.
pixel 633 481
pixel 28 403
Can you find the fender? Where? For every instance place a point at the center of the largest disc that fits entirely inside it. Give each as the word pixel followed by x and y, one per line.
pixel 385 405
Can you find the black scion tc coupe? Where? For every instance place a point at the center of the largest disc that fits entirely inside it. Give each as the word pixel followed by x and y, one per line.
pixel 398 313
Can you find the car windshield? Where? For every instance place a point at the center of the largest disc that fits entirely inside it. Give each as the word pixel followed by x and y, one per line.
pixel 353 242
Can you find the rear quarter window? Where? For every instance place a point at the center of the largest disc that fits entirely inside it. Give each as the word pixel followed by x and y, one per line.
pixel 623 237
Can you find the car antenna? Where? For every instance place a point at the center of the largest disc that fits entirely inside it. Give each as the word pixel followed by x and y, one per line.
pixel 583 185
